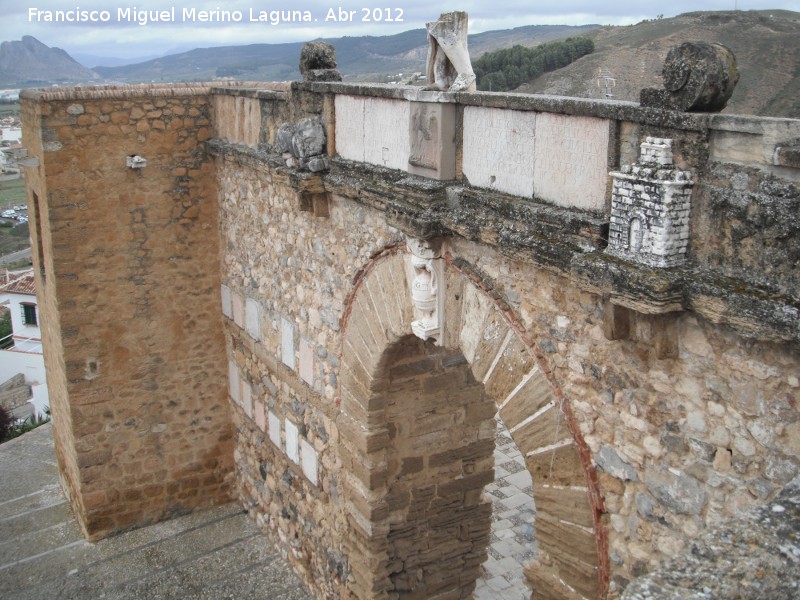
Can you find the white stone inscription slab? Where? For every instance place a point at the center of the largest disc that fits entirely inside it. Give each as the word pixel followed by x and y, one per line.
pixel 274 428
pixel 259 416
pixel 252 319
pixel 571 163
pixel 227 305
pixel 238 309
pixel 247 398
pixel 373 130
pixel 308 456
pixel 287 343
pixel 233 381
pixel 292 442
pixel 349 127
pixel 499 149
pixel 307 361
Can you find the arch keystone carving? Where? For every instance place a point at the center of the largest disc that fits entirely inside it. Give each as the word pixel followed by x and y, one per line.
pixel 427 289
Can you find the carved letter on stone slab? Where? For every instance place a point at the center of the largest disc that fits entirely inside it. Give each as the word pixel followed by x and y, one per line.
pixel 449 65
pixel 427 290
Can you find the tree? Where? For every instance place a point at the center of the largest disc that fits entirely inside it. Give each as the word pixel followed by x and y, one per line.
pixel 5 330
pixel 508 68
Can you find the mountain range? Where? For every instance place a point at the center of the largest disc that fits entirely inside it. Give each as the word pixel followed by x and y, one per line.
pixel 766 44
pixel 29 62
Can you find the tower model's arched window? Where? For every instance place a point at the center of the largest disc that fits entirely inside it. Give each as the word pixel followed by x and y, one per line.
pixel 635 235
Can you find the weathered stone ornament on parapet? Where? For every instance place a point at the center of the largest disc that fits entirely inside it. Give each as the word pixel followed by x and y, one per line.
pixel 318 62
pixel 427 289
pixel 303 145
pixel 698 77
pixel 650 206
pixel 449 65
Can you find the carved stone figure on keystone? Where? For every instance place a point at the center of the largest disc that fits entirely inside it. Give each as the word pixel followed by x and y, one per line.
pixel 698 77
pixel 449 65
pixel 318 62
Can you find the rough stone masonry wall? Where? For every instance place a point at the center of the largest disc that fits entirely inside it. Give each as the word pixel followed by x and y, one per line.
pixel 14 392
pixel 680 443
pixel 131 291
pixel 686 421
pixel 290 271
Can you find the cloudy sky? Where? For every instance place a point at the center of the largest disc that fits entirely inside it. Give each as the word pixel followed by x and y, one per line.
pixel 126 29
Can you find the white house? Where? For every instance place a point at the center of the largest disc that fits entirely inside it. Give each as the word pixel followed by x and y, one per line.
pixel 25 356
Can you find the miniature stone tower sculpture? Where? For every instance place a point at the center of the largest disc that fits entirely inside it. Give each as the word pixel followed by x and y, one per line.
pixel 650 205
pixel 449 65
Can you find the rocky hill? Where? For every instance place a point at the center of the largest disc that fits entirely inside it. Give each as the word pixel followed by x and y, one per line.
pixel 766 44
pixel 366 58
pixel 29 62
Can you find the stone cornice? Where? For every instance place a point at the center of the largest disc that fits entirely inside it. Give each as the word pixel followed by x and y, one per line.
pixel 564 241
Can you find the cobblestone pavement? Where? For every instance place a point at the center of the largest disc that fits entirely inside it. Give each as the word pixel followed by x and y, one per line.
pixel 513 512
pixel 212 554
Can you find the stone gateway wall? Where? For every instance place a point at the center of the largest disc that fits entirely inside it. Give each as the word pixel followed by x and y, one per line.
pixel 130 302
pixel 370 312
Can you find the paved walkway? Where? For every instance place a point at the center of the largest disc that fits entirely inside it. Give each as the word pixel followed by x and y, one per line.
pixel 211 555
pixel 513 512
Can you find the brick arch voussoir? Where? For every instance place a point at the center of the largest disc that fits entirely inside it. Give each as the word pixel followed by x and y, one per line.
pixel 516 375
pixel 377 314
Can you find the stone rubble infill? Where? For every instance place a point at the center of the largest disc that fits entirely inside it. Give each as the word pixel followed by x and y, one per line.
pixel 755 556
pixel 512 543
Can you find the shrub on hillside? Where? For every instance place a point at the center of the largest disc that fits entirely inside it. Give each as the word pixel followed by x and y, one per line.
pixel 507 69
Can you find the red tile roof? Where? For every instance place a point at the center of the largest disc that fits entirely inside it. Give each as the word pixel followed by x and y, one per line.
pixel 23 284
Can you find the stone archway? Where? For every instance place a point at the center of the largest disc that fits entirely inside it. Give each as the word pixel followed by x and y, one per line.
pixel 480 331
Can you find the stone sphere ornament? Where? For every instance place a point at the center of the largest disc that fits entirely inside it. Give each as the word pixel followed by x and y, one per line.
pixel 698 77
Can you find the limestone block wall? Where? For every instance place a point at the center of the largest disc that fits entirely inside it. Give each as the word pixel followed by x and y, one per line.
pixel 129 294
pixel 40 227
